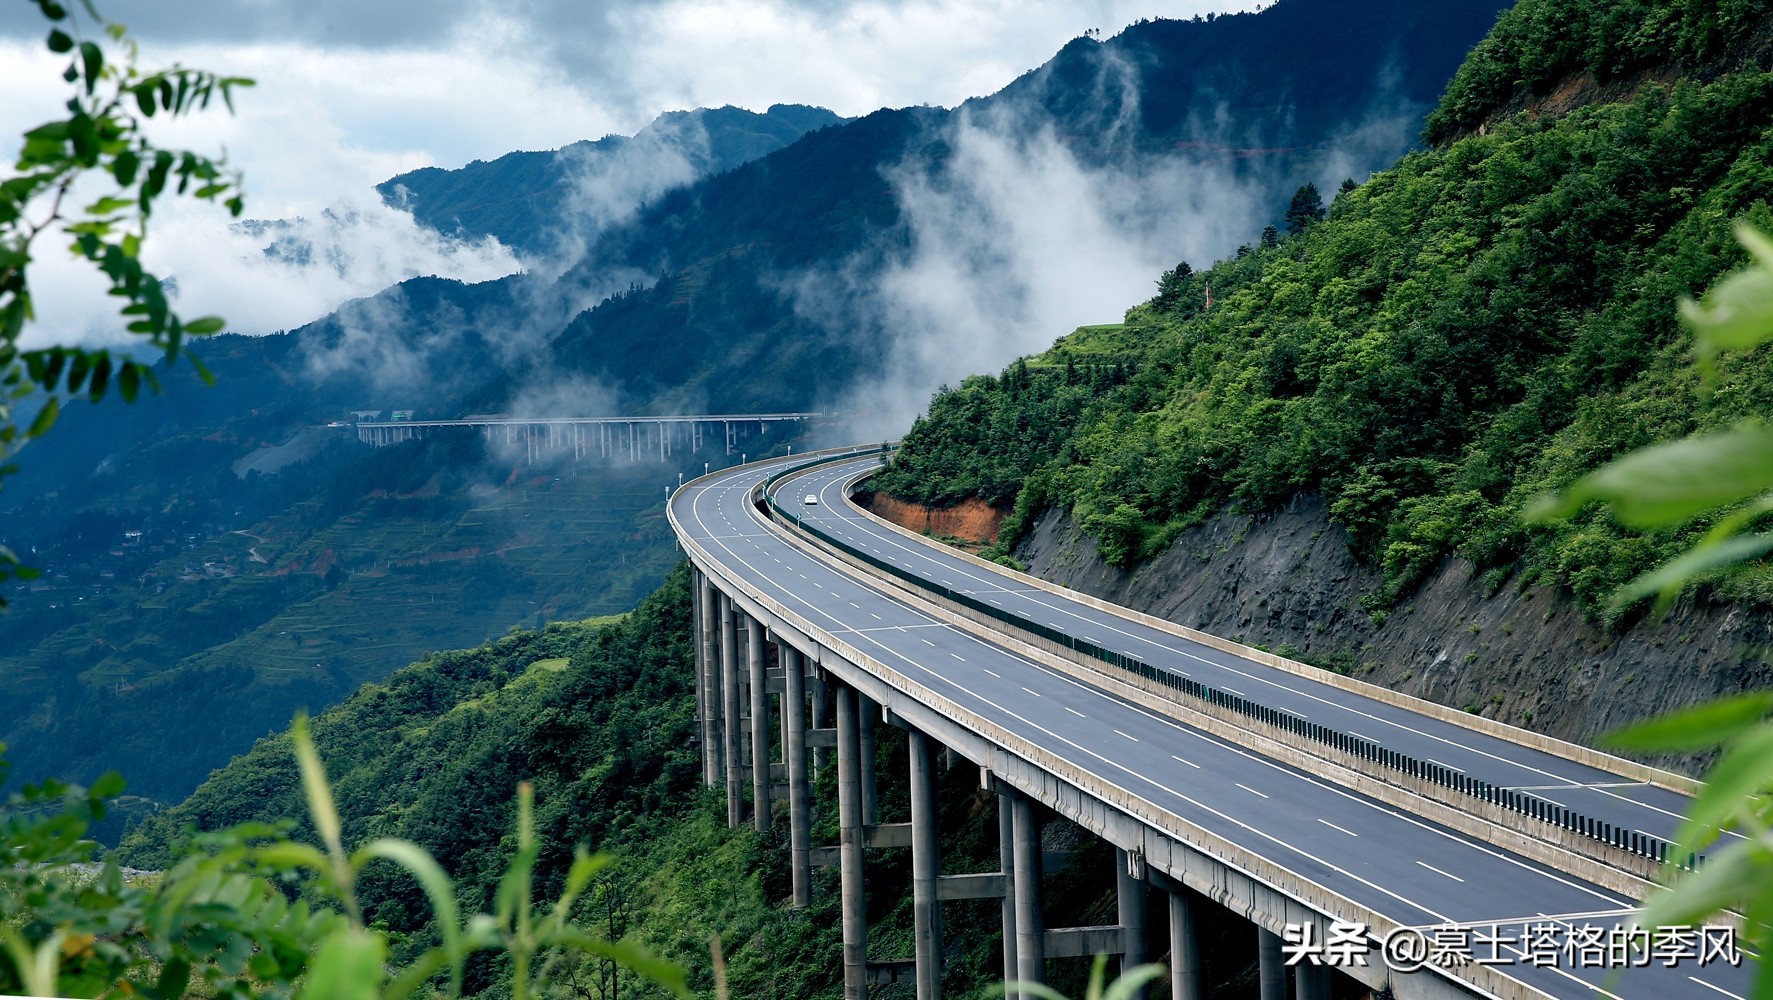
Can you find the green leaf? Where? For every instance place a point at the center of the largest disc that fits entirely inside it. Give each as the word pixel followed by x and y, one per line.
pixel 347 966
pixel 1671 483
pixel 174 977
pixel 101 376
pixel 52 408
pixel 1707 725
pixel 59 41
pixel 287 856
pixel 629 956
pixel 437 888
pixel 129 381
pixel 1667 579
pixel 1736 314
pixel 1738 778
pixel 92 60
pixel 314 786
pixel 1728 877
pixel 205 325
pixel 1131 984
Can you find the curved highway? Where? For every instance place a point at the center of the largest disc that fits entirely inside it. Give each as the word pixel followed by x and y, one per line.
pixel 1410 870
pixel 1605 795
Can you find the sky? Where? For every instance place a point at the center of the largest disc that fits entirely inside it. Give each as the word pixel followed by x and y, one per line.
pixel 351 93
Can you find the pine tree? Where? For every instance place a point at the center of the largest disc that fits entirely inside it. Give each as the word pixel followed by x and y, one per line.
pixel 1306 208
pixel 1270 237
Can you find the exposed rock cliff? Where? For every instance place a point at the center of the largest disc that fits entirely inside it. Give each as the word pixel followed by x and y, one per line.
pixel 1286 582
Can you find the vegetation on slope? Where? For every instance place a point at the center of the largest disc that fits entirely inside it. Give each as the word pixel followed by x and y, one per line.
pixel 599 716
pixel 1482 323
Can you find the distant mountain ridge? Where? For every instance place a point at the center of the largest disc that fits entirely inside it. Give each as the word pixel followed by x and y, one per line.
pixel 519 197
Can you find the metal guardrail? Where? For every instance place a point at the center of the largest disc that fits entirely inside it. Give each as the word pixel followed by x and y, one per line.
pixel 1516 801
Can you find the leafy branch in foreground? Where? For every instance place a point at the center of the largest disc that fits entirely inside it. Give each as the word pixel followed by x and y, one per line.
pixel 1728 477
pixel 100 147
pixel 223 916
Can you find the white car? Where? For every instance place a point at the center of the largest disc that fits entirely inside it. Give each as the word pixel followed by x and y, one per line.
pixel 811 498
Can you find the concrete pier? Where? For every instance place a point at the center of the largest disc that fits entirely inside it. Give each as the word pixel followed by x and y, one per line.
pixel 1272 972
pixel 1129 898
pixel 799 787
pixel 926 867
pixel 729 687
pixel 1185 970
pixel 760 726
pixel 867 719
pixel 1031 960
pixel 849 839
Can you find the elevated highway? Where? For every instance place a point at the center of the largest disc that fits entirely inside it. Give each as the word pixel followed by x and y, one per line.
pixel 1318 807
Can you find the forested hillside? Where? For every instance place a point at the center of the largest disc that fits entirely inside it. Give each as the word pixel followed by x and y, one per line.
pixel 599 716
pixel 1482 323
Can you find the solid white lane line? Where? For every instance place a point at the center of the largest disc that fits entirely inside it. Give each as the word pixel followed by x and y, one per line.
pixel 1720 989
pixel 1439 871
pixel 1333 826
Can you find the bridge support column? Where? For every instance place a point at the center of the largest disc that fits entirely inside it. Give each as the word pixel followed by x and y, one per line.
pixel 1271 970
pixel 729 691
pixel 698 624
pixel 1031 955
pixel 849 840
pixel 1129 895
pixel 821 719
pixel 709 639
pixel 799 791
pixel 1006 859
pixel 1311 982
pixel 760 726
pixel 867 719
pixel 926 867
pixel 1185 970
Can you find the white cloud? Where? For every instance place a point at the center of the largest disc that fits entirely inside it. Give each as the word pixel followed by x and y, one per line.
pixel 1013 243
pixel 349 95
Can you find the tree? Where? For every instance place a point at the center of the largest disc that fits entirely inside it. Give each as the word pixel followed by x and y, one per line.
pixel 1727 478
pixel 1306 208
pixel 100 144
pixel 1270 237
pixel 1171 285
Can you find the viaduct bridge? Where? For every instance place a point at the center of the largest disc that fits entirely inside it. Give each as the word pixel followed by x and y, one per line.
pixel 1419 850
pixel 632 438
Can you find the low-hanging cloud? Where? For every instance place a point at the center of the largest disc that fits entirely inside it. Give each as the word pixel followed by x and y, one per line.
pixel 1012 243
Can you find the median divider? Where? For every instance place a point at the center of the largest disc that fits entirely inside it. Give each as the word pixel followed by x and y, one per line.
pixel 1631 851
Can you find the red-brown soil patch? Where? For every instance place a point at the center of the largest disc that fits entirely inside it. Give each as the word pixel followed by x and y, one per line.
pixel 971 520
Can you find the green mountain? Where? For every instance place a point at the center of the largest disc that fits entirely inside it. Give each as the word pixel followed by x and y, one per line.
pixel 521 198
pixel 1482 323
